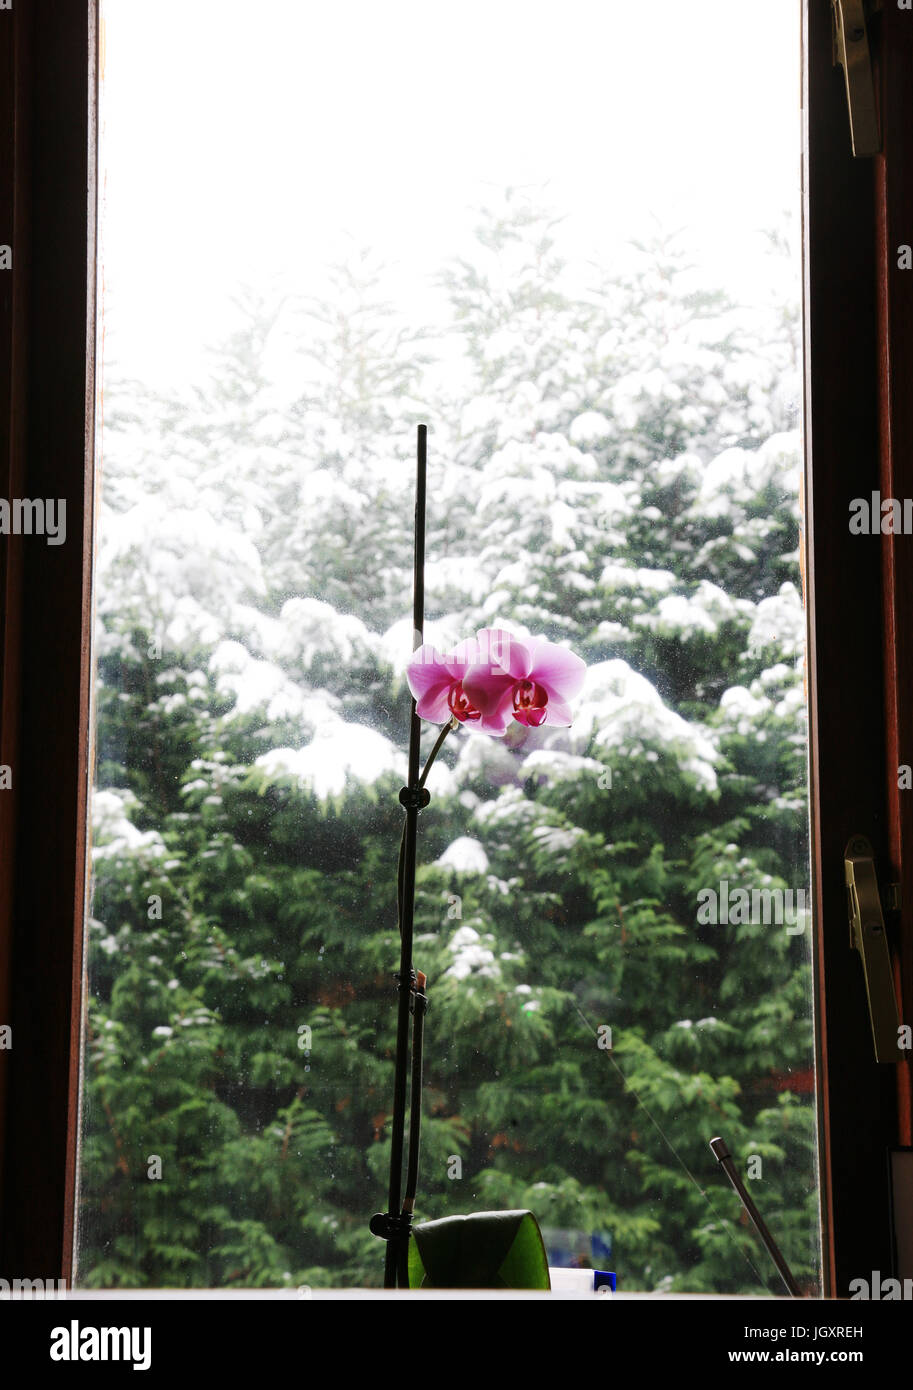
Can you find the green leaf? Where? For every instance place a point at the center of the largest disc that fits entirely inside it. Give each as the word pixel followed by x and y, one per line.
pixel 485 1250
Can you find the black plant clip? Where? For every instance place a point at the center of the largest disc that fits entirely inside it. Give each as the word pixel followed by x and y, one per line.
pixel 414 798
pixel 389 1227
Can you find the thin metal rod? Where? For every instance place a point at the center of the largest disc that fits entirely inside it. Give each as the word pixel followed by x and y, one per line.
pixel 399 1244
pixel 415 1119
pixel 418 560
pixel 415 1108
pixel 724 1158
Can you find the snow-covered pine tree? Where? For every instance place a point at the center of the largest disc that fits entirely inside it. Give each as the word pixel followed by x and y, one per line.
pixel 620 471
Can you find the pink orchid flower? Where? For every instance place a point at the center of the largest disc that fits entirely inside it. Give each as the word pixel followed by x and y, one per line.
pixel 488 680
pixel 436 683
pixel 529 681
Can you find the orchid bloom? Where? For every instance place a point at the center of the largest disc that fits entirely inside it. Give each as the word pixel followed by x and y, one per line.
pixel 436 683
pixel 496 677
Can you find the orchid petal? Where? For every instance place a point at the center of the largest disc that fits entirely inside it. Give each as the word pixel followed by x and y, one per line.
pixel 500 650
pixel 462 655
pixel 559 713
pixel 434 705
pixel 430 681
pixel 426 670
pixel 556 668
pixel 498 719
pixel 486 688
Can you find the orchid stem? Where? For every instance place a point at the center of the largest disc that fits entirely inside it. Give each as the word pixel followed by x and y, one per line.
pixel 436 749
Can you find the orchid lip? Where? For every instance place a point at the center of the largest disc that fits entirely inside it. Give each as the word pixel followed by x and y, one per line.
pixel 530 700
pixel 459 704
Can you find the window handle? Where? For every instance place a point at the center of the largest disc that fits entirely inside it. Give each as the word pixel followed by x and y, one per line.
pixel 868 937
pixel 851 51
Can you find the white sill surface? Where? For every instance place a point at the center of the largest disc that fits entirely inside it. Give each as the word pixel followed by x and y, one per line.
pixel 395 1295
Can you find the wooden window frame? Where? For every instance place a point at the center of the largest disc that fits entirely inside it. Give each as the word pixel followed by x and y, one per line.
pixel 857 438
pixel 859 599
pixel 48 54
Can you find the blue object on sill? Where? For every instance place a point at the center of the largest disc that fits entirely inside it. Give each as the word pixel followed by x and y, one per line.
pixel 582 1282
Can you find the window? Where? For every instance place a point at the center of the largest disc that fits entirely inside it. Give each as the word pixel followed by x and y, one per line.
pixel 843 422
pixel 613 918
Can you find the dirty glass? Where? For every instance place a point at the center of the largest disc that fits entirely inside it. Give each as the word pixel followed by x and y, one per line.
pixel 564 237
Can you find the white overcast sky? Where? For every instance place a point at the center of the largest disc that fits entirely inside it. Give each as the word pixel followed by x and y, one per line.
pixel 246 140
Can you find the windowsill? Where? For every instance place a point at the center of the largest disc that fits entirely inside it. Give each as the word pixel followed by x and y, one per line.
pixel 384 1295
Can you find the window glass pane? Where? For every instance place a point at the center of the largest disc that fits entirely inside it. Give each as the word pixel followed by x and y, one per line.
pixel 565 237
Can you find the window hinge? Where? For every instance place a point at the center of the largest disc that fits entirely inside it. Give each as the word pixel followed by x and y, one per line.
pixel 867 935
pixel 851 51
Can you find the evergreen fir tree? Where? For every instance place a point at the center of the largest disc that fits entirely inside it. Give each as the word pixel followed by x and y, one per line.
pixel 621 473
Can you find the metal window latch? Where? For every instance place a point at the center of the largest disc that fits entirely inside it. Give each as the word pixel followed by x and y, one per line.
pixel 851 51
pixel 868 937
